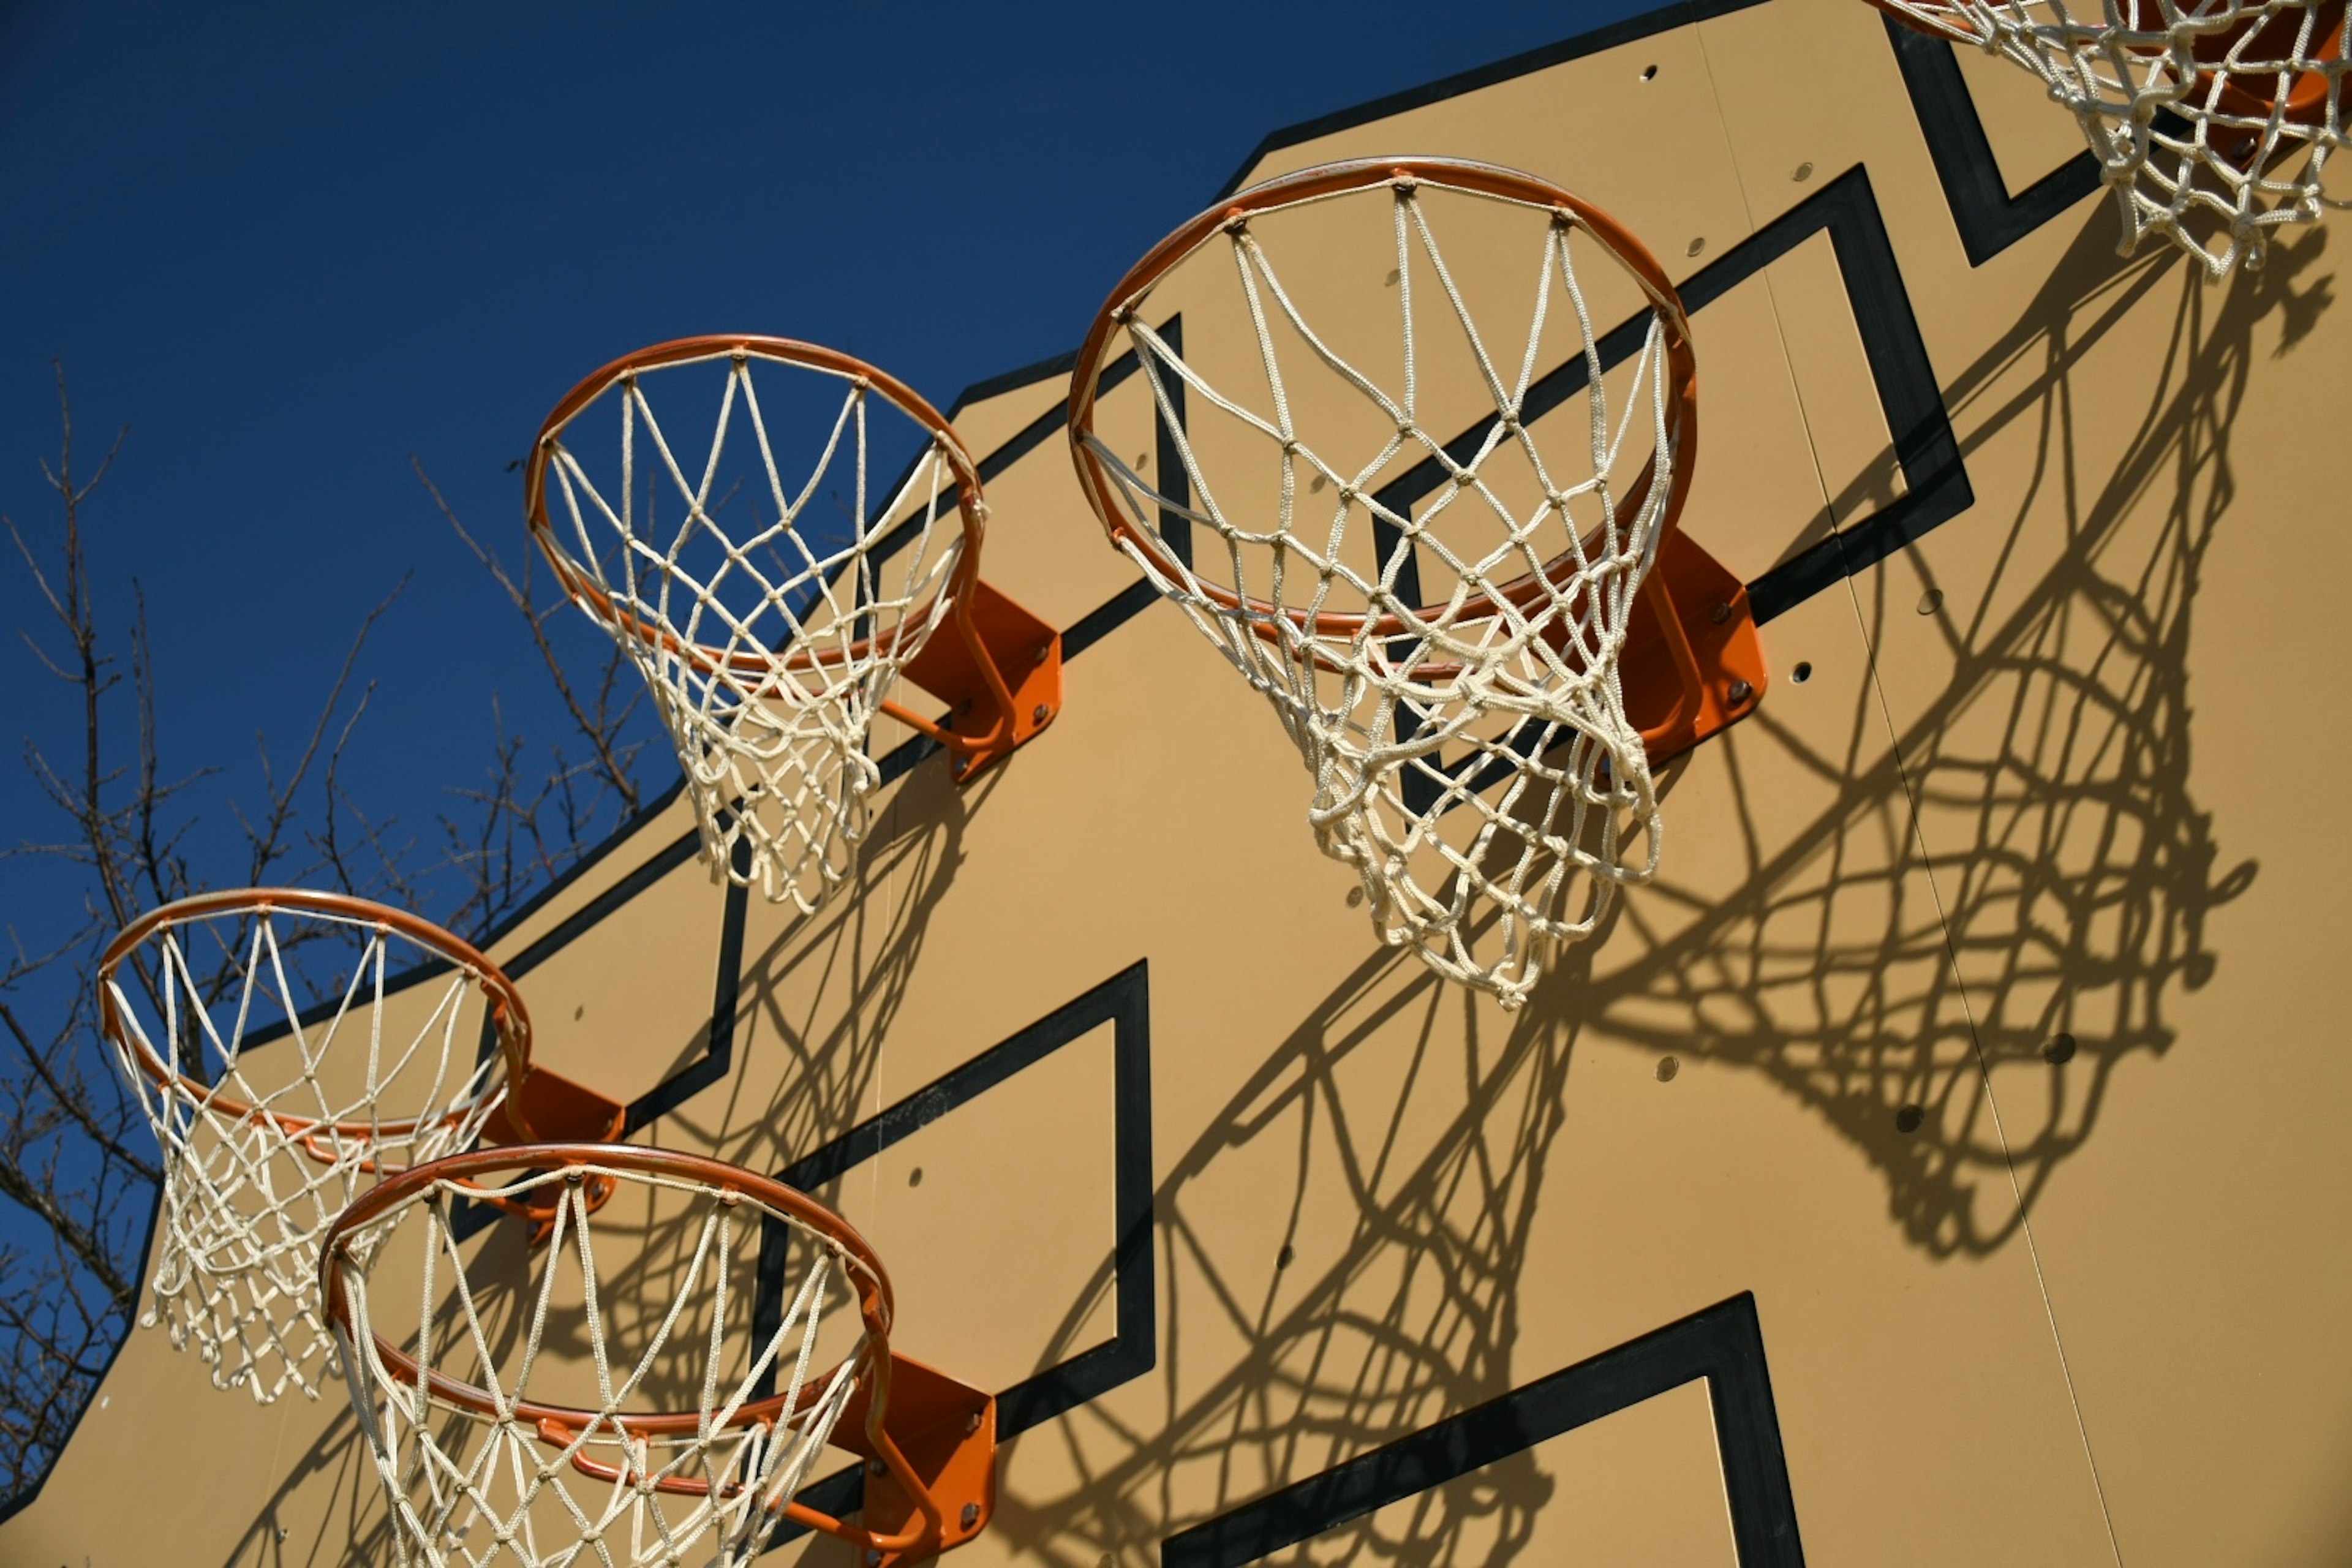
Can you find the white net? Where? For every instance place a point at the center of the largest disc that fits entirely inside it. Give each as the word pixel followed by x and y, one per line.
pixel 284 1072
pixel 2212 123
pixel 1423 550
pixel 543 1462
pixel 768 604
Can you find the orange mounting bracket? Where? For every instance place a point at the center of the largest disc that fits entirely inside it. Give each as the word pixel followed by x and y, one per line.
pixel 544 1107
pixel 999 669
pixel 941 1488
pixel 1693 663
pixel 930 1466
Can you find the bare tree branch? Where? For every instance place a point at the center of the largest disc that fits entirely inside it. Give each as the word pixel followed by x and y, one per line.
pixel 602 730
pixel 75 1155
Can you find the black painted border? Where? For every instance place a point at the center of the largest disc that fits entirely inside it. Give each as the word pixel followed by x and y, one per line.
pixel 1990 219
pixel 1124 1001
pixel 1964 194
pixel 1723 1344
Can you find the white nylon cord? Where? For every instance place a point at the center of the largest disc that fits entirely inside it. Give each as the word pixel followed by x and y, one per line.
pixel 2201 152
pixel 1526 866
pixel 467 1490
pixel 769 725
pixel 246 1199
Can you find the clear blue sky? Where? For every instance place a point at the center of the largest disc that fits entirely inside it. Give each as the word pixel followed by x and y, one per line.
pixel 290 247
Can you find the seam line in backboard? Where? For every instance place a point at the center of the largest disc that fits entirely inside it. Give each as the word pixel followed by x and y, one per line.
pixel 1919 834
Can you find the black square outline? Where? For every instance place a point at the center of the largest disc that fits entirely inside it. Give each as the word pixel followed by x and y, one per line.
pixel 1123 1000
pixel 1723 1344
pixel 1989 219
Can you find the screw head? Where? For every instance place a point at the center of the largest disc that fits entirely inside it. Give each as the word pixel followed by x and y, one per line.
pixel 876 1468
pixel 1908 1118
pixel 1040 713
pixel 1667 1067
pixel 1720 614
pixel 1740 693
pixel 972 1423
pixel 2059 1048
pixel 1804 172
pixel 971 1515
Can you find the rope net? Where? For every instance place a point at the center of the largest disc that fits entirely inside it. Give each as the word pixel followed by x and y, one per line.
pixel 273 1113
pixel 491 1477
pixel 1421 552
pixel 2213 123
pixel 768 606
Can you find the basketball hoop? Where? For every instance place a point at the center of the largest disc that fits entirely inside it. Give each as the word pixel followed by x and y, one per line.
pixel 476 1465
pixel 2213 123
pixel 771 643
pixel 1482 749
pixel 388 1065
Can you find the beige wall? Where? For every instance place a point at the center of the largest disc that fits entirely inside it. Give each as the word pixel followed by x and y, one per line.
pixel 2062 764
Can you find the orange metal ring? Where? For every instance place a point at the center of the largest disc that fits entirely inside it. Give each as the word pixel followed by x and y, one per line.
pixel 1916 17
pixel 580 583
pixel 507 1014
pixel 556 1422
pixel 1369 174
pixel 2305 100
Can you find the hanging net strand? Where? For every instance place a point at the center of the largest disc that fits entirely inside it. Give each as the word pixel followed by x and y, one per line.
pixel 772 616
pixel 2212 123
pixel 476 1424
pixel 1471 753
pixel 280 1084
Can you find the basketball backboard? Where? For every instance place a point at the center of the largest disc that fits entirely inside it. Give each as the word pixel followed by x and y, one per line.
pixel 1936 1163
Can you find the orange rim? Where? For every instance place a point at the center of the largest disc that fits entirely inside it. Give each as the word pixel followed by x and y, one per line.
pixel 1920 18
pixel 508 1018
pixel 873 1298
pixel 580 583
pixel 1369 174
pixel 2305 100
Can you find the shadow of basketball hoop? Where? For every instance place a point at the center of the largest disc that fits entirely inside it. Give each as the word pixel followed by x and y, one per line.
pixel 2076 907
pixel 2072 869
pixel 820 992
pixel 1339 1339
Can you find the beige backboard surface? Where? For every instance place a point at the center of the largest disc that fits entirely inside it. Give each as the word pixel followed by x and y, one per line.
pixel 1938 1163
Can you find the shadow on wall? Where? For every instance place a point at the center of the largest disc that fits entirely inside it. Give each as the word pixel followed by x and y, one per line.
pixel 2071 870
pixel 2076 900
pixel 821 994
pixel 1278 1361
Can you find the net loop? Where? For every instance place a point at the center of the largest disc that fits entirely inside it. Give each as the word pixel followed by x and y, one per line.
pixel 280 1084
pixel 771 628
pixel 2213 123
pixel 477 1463
pixel 1470 752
